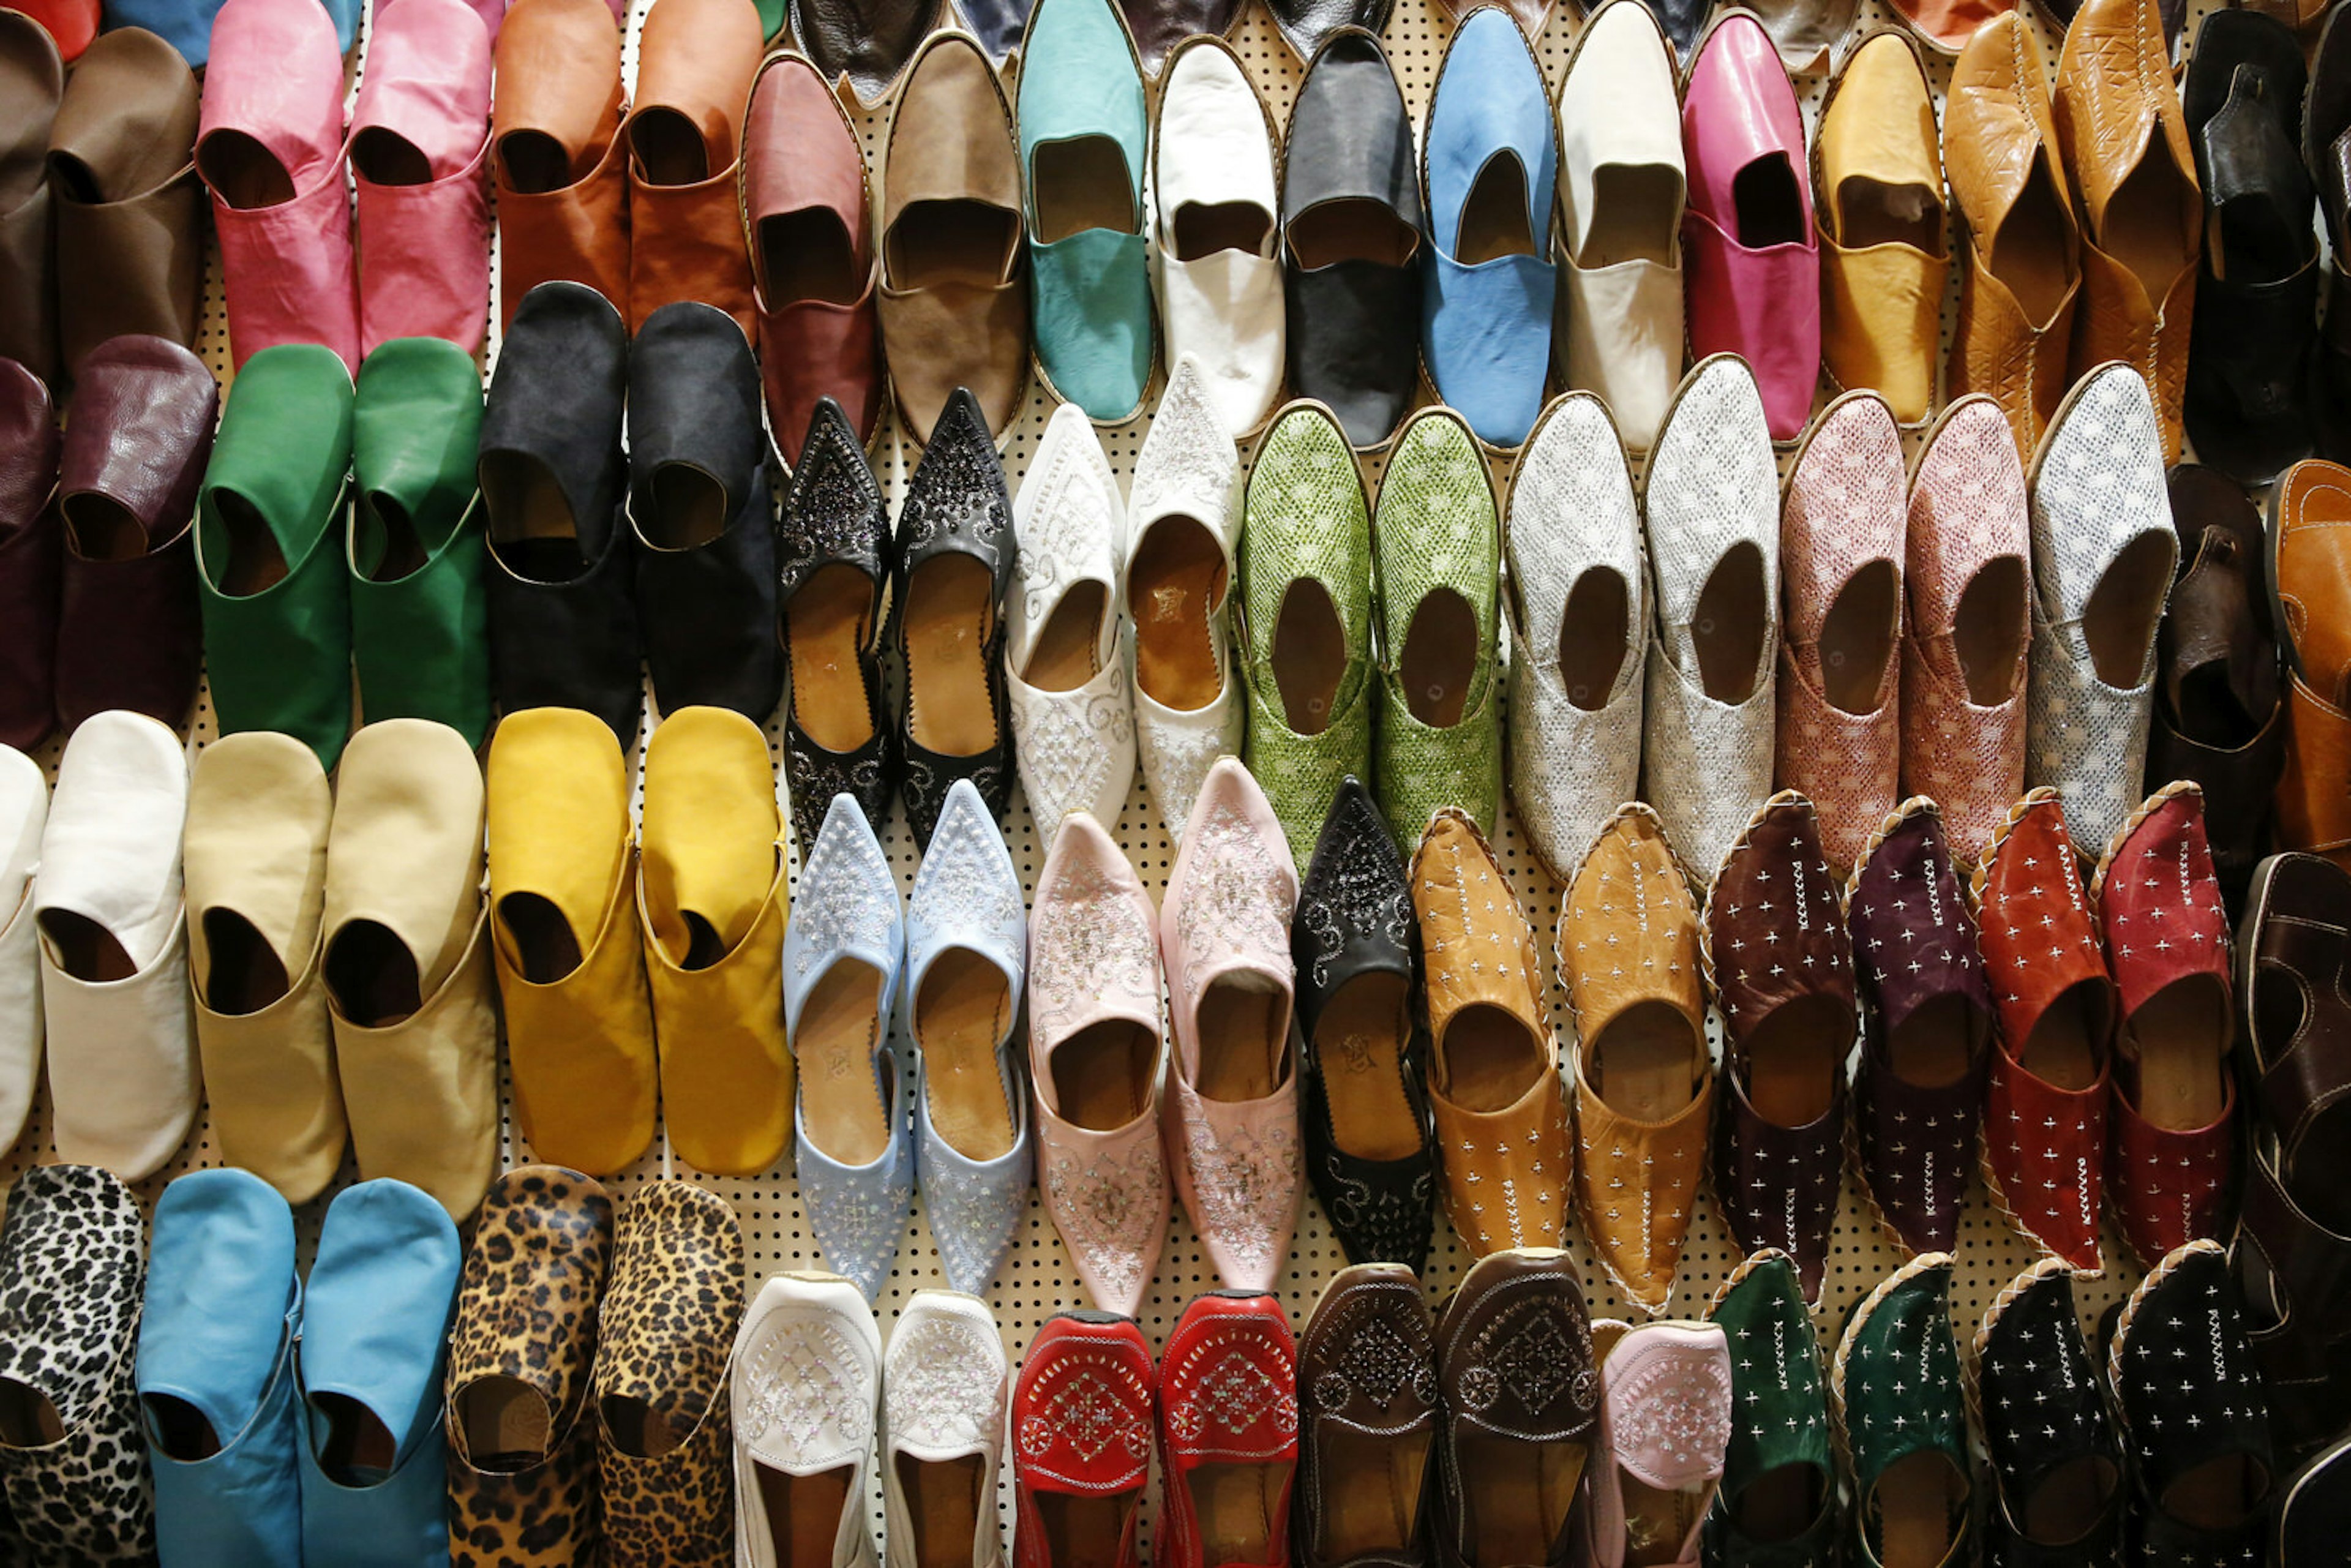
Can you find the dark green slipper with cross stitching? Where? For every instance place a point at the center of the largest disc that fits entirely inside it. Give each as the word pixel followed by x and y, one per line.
pixel 1779 1505
pixel 1894 1393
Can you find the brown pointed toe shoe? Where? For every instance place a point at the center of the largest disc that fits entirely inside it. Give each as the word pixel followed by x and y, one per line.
pixel 2022 276
pixel 130 211
pixel 1629 955
pixel 808 214
pixel 2127 158
pixel 32 80
pixel 954 267
pixel 557 151
pixel 1493 1064
pixel 695 60
pixel 1783 965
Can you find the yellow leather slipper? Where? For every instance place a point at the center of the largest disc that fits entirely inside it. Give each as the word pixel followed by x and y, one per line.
pixel 563 882
pixel 711 902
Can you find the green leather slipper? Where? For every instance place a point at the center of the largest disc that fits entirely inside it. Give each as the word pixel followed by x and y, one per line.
pixel 276 598
pixel 420 626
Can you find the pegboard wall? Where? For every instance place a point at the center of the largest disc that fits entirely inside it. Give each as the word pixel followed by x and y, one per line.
pixel 1037 1280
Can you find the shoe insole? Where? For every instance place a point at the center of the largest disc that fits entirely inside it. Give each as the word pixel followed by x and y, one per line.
pixel 1085 1531
pixel 1657 1521
pixel 387 546
pixel 178 1428
pixel 373 976
pixel 2068 1040
pixel 1780 1504
pixel 27 1418
pixel 1204 229
pixel 705 945
pixel 1516 1496
pixel 961 1010
pixel 804 1515
pixel 1636 213
pixel 1371 1492
pixel 827 624
pixel 1931 1047
pixel 1857 637
pixel 1067 653
pixel 546 947
pixel 2069 1501
pixel 934 244
pixel 1440 644
pixel 99 528
pixel 1243 1030
pixel 2252 238
pixel 1101 1074
pixel 841 1097
pixel 2119 619
pixel 533 161
pixel 805 255
pixel 2181 1036
pixel 383 156
pixel 1351 228
pixel 688 507
pixel 2031 253
pixel 507 1423
pixel 531 521
pixel 1176 582
pixel 254 559
pixel 243 172
pixel 944 1498
pixel 358 1449
pixel 2222 1493
pixel 1494 218
pixel 949 616
pixel 1988 631
pixel 2144 224
pixel 1731 624
pixel 243 973
pixel 1794 1057
pixel 75 176
pixel 1234 1505
pixel 1643 1063
pixel 636 1428
pixel 1359 1044
pixel 1766 202
pixel 1079 184
pixel 1872 212
pixel 1594 630
pixel 2207 709
pixel 1310 655
pixel 668 147
pixel 83 949
pixel 1488 1059
pixel 1912 1507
